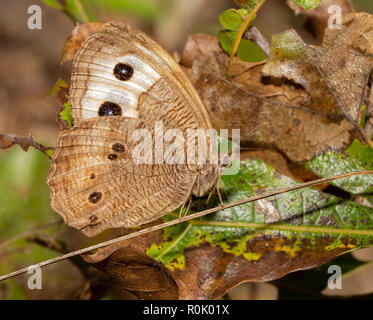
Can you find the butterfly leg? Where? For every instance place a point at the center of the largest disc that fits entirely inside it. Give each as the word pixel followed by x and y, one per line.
pixel 189 200
pixel 217 187
pixel 183 212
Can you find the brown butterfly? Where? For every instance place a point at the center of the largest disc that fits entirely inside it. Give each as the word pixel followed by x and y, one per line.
pixel 123 83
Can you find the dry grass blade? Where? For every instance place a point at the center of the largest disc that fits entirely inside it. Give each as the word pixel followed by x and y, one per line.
pixel 183 219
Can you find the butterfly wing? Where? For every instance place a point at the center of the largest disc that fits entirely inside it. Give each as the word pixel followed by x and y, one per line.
pixel 96 185
pixel 121 71
pixel 123 81
pixel 121 63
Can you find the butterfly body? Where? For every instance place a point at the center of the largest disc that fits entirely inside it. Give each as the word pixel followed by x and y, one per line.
pixel 124 85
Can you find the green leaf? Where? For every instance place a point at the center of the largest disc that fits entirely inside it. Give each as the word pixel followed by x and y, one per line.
pixel 296 221
pixel 66 114
pixel 287 45
pixel 250 52
pixel 247 50
pixel 56 4
pixel 146 9
pixel 77 10
pixel 248 4
pixel 359 157
pixel 226 39
pixel 231 19
pixel 308 4
pixel 362 153
pixel 60 83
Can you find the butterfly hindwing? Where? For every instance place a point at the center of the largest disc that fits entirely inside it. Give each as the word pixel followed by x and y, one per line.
pixel 96 185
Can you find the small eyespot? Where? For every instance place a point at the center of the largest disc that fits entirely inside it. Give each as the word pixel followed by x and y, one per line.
pixel 112 156
pixel 92 176
pixel 93 218
pixel 95 197
pixel 123 71
pixel 109 109
pixel 118 147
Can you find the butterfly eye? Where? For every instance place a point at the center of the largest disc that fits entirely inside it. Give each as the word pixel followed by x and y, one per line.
pixel 123 71
pixel 109 109
pixel 95 197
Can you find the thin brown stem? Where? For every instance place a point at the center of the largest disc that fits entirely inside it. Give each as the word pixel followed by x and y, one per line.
pixel 8 140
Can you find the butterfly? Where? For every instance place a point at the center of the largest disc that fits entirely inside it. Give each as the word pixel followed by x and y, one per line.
pixel 123 83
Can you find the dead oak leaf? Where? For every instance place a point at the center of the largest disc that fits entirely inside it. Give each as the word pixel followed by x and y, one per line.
pixel 292 128
pixel 345 61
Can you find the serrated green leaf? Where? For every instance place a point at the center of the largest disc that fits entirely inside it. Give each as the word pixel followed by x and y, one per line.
pixel 308 4
pixel 305 217
pixel 359 158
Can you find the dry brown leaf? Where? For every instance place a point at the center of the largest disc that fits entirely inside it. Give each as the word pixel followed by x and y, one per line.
pixel 210 271
pixel 78 35
pixel 345 61
pixel 283 122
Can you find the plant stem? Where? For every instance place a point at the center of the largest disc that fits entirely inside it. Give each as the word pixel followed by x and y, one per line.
pixel 241 31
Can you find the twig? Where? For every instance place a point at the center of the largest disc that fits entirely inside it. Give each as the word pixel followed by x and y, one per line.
pixel 29 232
pixel 190 217
pixel 9 140
pixel 255 36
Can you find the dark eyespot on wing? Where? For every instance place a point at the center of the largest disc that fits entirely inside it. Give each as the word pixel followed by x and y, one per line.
pixel 123 71
pixel 118 147
pixel 95 197
pixel 109 109
pixel 112 156
pixel 93 218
